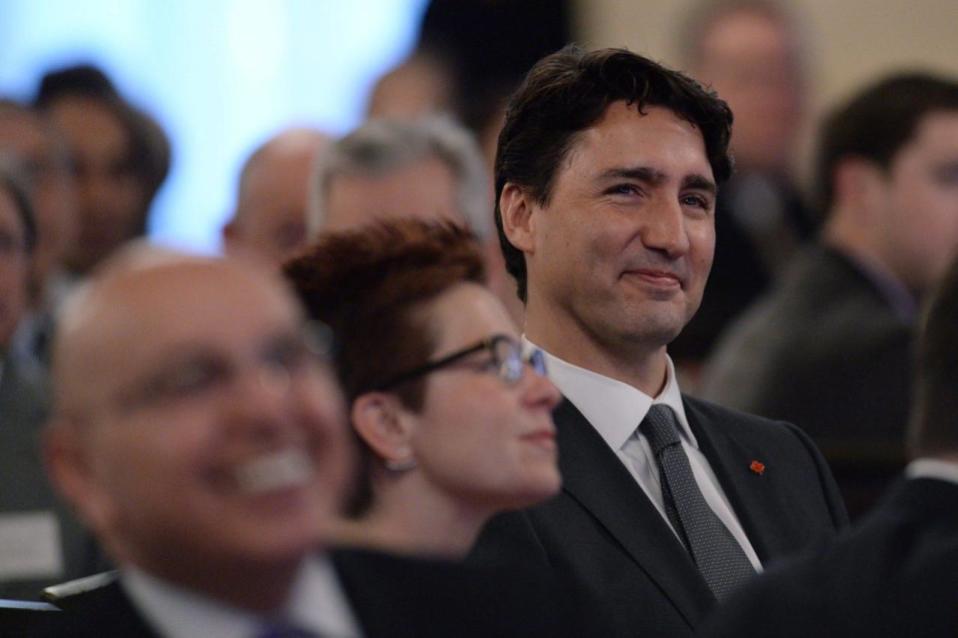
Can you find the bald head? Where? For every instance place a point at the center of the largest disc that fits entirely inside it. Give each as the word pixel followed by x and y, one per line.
pixel 270 219
pixel 110 320
pixel 198 430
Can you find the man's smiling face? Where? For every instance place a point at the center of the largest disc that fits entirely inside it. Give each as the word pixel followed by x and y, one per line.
pixel 624 244
pixel 213 432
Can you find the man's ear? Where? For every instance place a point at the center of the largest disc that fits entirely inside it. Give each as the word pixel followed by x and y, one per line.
pixel 859 184
pixel 517 209
pixel 385 426
pixel 229 233
pixel 70 467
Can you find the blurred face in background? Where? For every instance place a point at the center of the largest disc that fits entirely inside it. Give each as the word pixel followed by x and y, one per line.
pixel 270 220
pixel 752 60
pixel 111 197
pixel 916 203
pixel 214 434
pixel 39 152
pixel 14 267
pixel 479 440
pixel 425 189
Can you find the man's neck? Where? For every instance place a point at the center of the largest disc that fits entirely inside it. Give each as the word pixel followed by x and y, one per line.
pixel 643 366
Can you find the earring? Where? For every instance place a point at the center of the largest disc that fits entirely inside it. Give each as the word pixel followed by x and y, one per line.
pixel 402 465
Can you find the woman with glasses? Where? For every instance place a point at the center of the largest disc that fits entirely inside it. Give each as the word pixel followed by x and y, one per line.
pixel 454 421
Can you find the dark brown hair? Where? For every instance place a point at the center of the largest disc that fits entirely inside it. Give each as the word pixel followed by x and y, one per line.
pixel 369 285
pixel 876 123
pixel 569 91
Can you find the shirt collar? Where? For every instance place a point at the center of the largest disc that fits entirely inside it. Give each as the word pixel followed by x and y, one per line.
pixel 615 409
pixel 933 468
pixel 317 603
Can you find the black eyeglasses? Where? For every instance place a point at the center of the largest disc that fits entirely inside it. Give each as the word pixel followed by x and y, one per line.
pixel 506 354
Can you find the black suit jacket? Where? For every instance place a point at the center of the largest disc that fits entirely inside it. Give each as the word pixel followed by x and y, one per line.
pixel 605 533
pixel 391 597
pixel 895 574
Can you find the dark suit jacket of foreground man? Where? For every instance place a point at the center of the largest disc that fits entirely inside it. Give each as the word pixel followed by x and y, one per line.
pixel 391 597
pixel 896 575
pixel 605 533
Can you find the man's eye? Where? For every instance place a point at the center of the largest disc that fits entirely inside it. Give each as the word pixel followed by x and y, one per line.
pixel 697 201
pixel 187 380
pixel 624 189
pixel 287 354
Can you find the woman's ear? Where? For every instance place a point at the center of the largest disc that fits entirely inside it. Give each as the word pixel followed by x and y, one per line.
pixel 386 426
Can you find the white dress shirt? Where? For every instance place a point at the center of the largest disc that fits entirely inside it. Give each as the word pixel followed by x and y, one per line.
pixel 933 469
pixel 317 603
pixel 616 409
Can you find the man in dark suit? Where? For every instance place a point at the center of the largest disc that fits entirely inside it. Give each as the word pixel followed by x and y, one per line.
pixel 200 432
pixel 896 573
pixel 606 176
pixel 40 543
pixel 831 349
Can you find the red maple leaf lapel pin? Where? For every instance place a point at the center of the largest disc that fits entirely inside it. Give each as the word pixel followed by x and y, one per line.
pixel 758 467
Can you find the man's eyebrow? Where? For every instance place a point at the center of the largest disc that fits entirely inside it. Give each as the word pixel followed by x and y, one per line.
pixel 655 177
pixel 639 173
pixel 947 169
pixel 700 182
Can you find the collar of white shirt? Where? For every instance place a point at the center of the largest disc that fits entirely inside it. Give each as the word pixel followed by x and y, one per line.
pixel 934 469
pixel 615 409
pixel 317 603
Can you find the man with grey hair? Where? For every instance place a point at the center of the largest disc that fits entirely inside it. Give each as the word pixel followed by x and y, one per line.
pixel 427 168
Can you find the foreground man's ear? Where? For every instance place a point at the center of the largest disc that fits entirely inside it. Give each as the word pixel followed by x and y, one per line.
pixel 66 456
pixel 518 222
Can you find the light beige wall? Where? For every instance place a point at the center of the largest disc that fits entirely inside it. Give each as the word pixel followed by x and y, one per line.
pixel 851 41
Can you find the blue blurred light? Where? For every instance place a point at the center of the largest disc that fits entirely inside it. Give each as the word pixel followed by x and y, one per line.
pixel 219 75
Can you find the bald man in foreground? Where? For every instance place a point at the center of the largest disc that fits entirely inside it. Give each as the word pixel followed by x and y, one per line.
pixel 199 432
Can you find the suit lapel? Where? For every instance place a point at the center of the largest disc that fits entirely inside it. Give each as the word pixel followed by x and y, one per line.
pixel 594 477
pixel 755 497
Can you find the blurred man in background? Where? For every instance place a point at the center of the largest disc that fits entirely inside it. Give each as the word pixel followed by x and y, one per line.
pixel 42 156
pixel 429 168
pixel 40 543
pixel 831 348
pixel 119 155
pixel 39 154
pixel 270 218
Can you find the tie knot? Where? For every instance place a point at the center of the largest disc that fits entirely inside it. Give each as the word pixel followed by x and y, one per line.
pixel 659 428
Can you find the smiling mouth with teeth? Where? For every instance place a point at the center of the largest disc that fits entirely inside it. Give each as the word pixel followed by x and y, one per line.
pixel 275 471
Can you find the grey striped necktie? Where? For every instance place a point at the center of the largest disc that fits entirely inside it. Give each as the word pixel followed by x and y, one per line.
pixel 715 551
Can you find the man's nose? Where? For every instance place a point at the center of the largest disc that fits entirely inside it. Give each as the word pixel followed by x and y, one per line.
pixel 262 401
pixel 665 228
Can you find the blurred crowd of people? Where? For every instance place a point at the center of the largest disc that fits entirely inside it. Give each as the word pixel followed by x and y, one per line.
pixel 459 371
